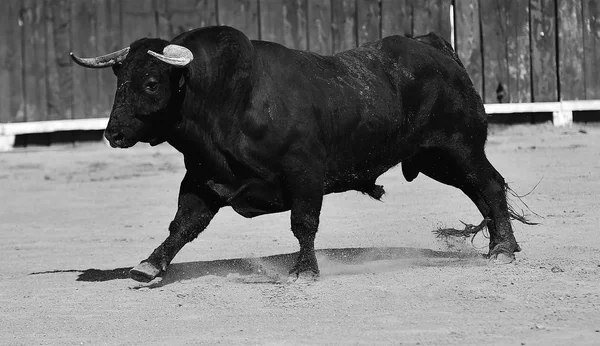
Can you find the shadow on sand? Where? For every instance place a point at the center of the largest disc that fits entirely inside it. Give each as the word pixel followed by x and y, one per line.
pixel 273 269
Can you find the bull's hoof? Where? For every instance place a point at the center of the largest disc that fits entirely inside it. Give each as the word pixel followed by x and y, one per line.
pixel 303 277
pixel 501 258
pixel 144 272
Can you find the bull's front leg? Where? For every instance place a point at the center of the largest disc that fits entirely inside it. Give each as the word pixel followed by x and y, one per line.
pixel 197 207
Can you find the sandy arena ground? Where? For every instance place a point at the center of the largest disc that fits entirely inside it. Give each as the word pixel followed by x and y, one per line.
pixel 72 222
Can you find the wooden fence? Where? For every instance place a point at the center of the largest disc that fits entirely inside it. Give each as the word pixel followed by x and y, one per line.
pixel 514 50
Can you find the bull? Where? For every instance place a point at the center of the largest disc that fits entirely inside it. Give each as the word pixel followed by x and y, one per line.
pixel 265 129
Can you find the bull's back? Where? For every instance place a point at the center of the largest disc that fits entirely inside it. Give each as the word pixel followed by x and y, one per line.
pixel 365 104
pixel 348 97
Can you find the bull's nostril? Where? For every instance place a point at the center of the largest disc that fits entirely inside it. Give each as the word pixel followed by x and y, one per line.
pixel 118 136
pixel 113 136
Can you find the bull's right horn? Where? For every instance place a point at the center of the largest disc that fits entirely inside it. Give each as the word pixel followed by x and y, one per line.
pixel 102 61
pixel 175 55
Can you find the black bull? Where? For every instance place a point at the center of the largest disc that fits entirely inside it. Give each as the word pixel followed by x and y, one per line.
pixel 265 129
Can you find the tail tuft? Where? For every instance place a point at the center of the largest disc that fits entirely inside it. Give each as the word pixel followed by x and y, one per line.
pixel 520 216
pixel 468 231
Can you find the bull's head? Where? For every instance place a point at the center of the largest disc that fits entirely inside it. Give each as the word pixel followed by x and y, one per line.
pixel 147 83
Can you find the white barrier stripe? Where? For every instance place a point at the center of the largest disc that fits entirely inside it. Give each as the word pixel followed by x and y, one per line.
pixel 11 129
pixel 538 107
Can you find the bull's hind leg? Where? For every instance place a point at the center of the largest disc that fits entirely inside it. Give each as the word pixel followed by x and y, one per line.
pixel 471 172
pixel 303 190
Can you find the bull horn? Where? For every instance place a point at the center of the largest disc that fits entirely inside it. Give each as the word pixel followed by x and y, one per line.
pixel 175 55
pixel 102 61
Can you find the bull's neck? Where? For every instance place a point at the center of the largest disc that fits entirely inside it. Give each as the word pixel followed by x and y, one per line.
pixel 216 95
pixel 206 130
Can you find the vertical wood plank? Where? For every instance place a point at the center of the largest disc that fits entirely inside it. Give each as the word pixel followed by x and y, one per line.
pixel 85 80
pixel 185 15
pixel 163 20
pixel 108 17
pixel 444 28
pixel 319 27
pixel 240 14
pixel 505 32
pixel 396 17
pixel 343 25
pixel 425 13
pixel 294 24
pixel 271 21
pixel 570 50
pixel 368 19
pixel 543 50
pixel 468 40
pixel 138 20
pixel 494 33
pixel 591 39
pixel 432 16
pixel 59 78
pixel 12 103
pixel 34 60
pixel 284 22
pixel 518 51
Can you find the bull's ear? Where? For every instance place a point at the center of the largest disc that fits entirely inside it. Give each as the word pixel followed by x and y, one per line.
pixel 174 55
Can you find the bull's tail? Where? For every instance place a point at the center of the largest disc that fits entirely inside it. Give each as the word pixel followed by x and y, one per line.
pixel 472 230
pixel 512 211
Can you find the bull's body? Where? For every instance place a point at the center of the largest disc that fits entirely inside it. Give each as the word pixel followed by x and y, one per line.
pixel 265 129
pixel 353 115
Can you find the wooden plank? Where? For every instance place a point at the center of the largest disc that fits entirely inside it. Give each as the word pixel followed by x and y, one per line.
pixel 319 14
pixel 271 21
pixel 396 17
pixel 468 40
pixel 59 78
pixel 425 15
pixel 295 33
pixel 432 16
pixel 445 28
pixel 284 22
pixel 591 39
pixel 108 19
pixel 543 51
pixel 85 80
pixel 494 36
pixel 343 25
pixel 570 50
pixel 138 20
pixel 12 103
pixel 518 51
pixel 240 14
pixel 505 32
pixel 162 20
pixel 368 19
pixel 34 59
pixel 185 15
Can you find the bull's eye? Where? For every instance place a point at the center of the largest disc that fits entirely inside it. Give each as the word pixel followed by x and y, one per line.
pixel 151 85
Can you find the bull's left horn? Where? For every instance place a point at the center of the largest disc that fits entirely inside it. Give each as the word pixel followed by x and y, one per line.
pixel 175 55
pixel 103 60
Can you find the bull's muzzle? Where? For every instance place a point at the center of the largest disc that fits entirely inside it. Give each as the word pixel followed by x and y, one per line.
pixel 117 139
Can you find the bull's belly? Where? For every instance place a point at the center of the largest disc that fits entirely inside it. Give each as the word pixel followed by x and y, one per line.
pixel 359 174
pixel 253 198
pixel 256 197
